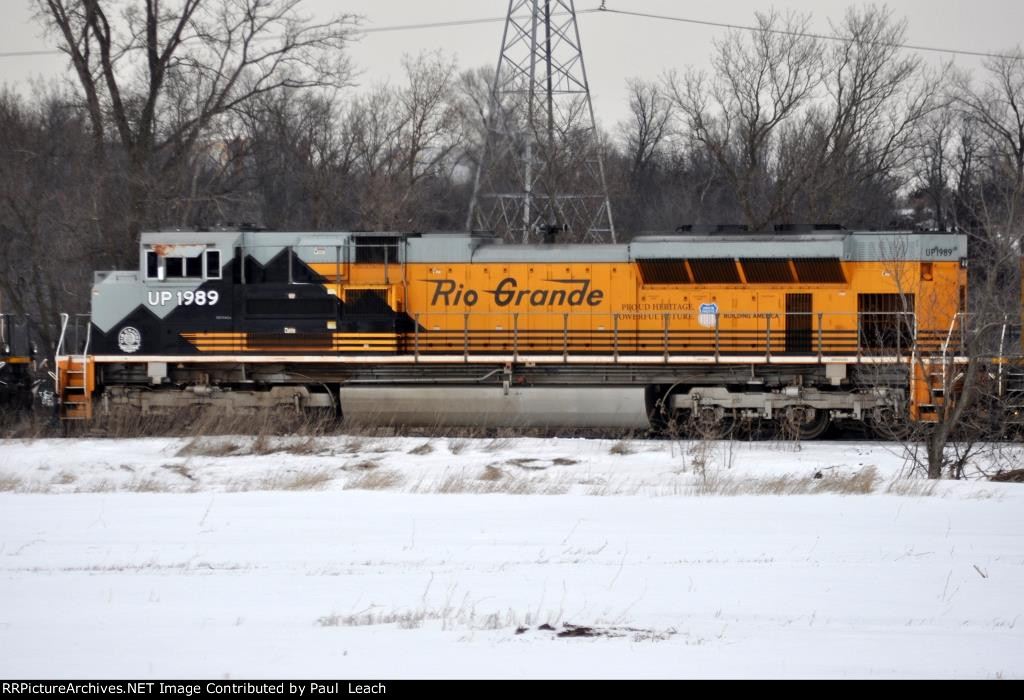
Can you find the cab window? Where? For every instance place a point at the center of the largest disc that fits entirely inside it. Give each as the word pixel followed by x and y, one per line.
pixel 152 265
pixel 205 265
pixel 213 267
pixel 175 268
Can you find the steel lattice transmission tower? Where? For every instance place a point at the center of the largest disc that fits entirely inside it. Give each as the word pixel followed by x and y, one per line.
pixel 541 169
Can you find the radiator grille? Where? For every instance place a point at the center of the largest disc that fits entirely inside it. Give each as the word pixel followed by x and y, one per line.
pixel 820 270
pixel 767 271
pixel 715 271
pixel 664 271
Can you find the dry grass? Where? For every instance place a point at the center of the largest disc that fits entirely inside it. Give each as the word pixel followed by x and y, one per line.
pixel 424 449
pixel 131 423
pixel 492 473
pixel 10 483
pixel 353 446
pixel 1015 476
pixel 362 445
pixel 458 446
pixel 313 480
pixel 181 470
pixel 531 464
pixel 209 447
pixel 214 422
pixel 497 444
pixel 380 480
pixel 145 486
pixel 859 484
pixel 464 616
pixel 621 448
pixel 261 446
pixel 713 483
pixel 16 425
pixel 461 484
pixel 912 488
pixel 307 480
pixel 364 466
pixel 307 446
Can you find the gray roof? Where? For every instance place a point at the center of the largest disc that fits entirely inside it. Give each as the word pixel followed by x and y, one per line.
pixel 883 246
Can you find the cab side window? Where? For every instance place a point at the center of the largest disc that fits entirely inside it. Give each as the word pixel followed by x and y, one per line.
pixel 213 267
pixel 175 268
pixel 152 265
pixel 205 265
pixel 194 267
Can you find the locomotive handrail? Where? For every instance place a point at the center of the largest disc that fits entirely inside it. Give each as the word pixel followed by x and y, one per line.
pixel 949 336
pixel 88 342
pixel 644 315
pixel 554 332
pixel 64 319
pixel 1002 347
pixel 945 352
pixel 69 343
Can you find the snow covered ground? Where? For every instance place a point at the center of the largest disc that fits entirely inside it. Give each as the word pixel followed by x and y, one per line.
pixel 411 558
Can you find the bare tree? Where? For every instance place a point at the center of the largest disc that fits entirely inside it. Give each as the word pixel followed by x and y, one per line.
pixel 649 126
pixel 935 165
pixel 877 95
pixel 299 153
pixel 155 76
pixel 751 106
pixel 996 108
pixel 964 385
pixel 991 186
pixel 955 369
pixel 407 139
pixel 473 93
pixel 799 128
pixel 46 199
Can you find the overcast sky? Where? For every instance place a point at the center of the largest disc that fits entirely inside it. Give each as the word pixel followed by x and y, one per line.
pixel 616 47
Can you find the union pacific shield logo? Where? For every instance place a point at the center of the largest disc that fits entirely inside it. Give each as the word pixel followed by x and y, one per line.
pixel 129 340
pixel 708 315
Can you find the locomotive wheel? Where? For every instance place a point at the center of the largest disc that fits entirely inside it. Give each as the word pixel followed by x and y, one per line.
pixel 806 423
pixel 711 423
pixel 888 425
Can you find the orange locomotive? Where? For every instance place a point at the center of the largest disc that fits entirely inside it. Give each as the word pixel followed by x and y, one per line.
pixel 801 326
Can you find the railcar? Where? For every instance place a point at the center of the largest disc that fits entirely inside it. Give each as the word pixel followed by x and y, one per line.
pixel 15 365
pixel 697 328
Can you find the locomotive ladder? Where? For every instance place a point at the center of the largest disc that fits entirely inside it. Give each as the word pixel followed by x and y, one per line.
pixel 933 377
pixel 1011 376
pixel 73 378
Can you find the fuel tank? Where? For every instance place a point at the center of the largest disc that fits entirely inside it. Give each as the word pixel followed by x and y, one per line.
pixel 495 407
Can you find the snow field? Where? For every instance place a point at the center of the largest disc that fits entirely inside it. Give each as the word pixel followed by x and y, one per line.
pixel 146 559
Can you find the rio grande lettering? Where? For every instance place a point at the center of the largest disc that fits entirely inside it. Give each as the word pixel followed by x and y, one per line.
pixel 575 293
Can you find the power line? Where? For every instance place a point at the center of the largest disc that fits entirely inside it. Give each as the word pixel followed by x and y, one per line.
pixel 460 23
pixel 23 54
pixel 367 30
pixel 810 35
pixel 604 9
